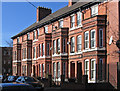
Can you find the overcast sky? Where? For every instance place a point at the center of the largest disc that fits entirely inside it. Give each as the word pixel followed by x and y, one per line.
pixel 17 16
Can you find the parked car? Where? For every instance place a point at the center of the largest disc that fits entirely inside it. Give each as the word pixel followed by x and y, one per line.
pixel 32 81
pixel 10 79
pixel 16 87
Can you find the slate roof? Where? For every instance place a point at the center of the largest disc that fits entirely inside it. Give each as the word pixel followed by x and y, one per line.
pixel 52 17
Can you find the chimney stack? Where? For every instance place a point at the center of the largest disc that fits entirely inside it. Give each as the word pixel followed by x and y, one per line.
pixel 71 2
pixel 42 13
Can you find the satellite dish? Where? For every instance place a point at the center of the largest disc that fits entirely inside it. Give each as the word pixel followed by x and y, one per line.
pixel 111 40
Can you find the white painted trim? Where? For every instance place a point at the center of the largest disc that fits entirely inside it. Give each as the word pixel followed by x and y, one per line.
pixel 61 54
pixel 26 59
pixel 35 40
pixel 16 61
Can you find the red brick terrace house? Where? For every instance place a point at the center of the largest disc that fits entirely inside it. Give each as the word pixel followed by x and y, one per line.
pixel 76 40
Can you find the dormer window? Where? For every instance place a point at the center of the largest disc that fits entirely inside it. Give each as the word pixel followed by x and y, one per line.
pixel 60 23
pixel 46 29
pixel 94 10
pixel 18 41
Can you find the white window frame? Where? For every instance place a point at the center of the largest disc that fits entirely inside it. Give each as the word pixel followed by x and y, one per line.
pixel 43 70
pixel 54 70
pixel 58 45
pixel 18 40
pixel 46 29
pixel 72 44
pixel 43 49
pixel 79 18
pixel 58 72
pixel 100 38
pixel 86 40
pixel 38 31
pixel 72 21
pixel 93 39
pixel 94 10
pixel 40 70
pixel 94 69
pixel 87 60
pixel 79 43
pixel 61 23
pixel 54 46
pixel 40 50
pixel 28 36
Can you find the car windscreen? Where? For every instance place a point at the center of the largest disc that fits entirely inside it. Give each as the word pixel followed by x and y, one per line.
pixel 30 79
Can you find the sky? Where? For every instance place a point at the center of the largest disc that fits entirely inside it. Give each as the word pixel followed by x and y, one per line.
pixel 16 16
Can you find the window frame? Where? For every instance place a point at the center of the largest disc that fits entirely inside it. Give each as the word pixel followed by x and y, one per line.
pixel 79 44
pixel 64 45
pixel 93 39
pixel 58 45
pixel 94 69
pixel 46 29
pixel 54 47
pixel 48 49
pixel 61 23
pixel 87 60
pixel 72 21
pixel 72 44
pixel 101 29
pixel 79 19
pixel 86 40
pixel 94 12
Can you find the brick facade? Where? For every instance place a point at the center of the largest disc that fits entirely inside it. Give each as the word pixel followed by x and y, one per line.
pixel 56 50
